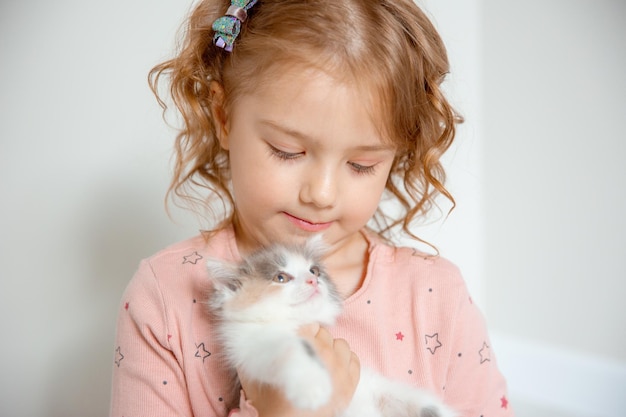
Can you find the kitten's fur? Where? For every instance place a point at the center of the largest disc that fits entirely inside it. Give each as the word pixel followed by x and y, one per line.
pixel 261 302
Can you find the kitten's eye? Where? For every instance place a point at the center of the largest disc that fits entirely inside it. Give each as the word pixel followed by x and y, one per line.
pixel 282 278
pixel 315 271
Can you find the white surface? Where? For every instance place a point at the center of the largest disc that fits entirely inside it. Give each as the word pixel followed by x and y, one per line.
pixel 547 378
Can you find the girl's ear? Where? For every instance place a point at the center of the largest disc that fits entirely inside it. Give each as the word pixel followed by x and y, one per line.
pixel 219 113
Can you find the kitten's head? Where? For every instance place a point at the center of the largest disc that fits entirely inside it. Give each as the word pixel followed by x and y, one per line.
pixel 279 284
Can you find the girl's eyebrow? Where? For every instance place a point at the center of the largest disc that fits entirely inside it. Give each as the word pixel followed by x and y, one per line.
pixel 303 136
pixel 286 130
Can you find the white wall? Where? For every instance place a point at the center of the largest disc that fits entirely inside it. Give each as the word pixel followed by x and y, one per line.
pixel 83 170
pixel 554 106
pixel 84 164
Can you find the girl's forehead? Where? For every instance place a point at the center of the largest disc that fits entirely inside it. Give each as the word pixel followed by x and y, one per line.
pixel 309 98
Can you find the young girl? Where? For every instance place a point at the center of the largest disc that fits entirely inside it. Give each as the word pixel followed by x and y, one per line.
pixel 299 117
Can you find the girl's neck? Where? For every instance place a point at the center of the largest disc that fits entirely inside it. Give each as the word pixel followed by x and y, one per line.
pixel 347 264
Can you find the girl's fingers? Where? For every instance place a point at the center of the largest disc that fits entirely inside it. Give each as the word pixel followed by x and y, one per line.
pixel 309 330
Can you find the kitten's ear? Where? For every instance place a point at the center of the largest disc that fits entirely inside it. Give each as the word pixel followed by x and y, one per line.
pixel 224 275
pixel 316 245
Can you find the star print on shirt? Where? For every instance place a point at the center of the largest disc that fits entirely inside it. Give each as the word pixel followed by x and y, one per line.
pixel 485 353
pixel 192 259
pixel 432 342
pixel 118 356
pixel 202 352
pixel 504 403
pixel 399 336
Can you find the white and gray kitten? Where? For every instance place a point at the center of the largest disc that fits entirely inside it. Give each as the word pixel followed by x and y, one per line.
pixel 260 304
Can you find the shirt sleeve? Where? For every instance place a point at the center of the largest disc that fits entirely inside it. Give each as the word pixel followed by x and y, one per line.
pixel 147 379
pixel 474 385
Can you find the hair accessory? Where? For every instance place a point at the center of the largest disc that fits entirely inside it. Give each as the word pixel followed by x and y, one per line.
pixel 228 26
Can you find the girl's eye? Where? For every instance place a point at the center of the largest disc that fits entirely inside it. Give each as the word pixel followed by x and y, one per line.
pixel 282 278
pixel 315 271
pixel 284 155
pixel 363 169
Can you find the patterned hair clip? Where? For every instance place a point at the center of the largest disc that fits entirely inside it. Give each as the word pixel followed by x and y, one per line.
pixel 228 26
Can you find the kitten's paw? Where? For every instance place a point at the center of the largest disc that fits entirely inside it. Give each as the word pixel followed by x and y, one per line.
pixel 310 386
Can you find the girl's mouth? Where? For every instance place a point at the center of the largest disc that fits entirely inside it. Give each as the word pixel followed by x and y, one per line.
pixel 307 225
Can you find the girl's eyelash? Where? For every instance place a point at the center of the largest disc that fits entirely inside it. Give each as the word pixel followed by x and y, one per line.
pixel 363 169
pixel 284 155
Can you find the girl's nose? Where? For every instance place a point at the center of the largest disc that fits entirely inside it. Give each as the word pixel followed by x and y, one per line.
pixel 319 189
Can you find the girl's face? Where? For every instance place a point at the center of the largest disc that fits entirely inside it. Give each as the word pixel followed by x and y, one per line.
pixel 306 157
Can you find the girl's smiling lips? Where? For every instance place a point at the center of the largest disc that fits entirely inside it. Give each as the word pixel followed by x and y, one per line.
pixel 307 225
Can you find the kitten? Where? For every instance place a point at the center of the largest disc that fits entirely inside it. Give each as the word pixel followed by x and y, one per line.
pixel 261 302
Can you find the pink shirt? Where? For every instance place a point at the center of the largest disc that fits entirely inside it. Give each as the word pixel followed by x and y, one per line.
pixel 412 320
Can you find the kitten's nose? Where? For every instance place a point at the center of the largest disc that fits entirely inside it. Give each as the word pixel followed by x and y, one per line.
pixel 312 281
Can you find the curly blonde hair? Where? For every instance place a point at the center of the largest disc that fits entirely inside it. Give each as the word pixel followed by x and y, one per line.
pixel 388 48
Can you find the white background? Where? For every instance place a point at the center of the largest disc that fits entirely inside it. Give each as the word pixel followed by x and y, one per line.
pixel 538 171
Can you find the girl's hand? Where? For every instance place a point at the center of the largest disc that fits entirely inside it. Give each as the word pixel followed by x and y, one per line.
pixel 341 362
